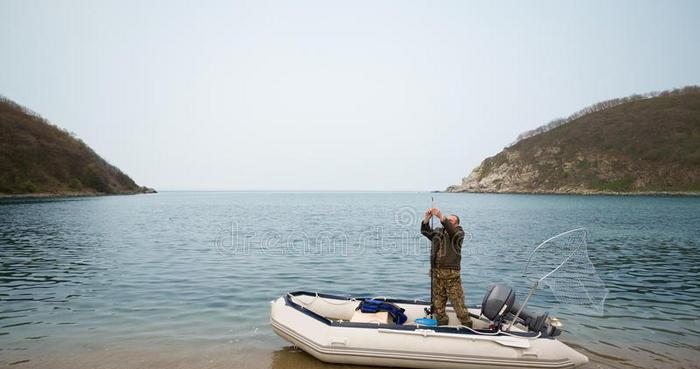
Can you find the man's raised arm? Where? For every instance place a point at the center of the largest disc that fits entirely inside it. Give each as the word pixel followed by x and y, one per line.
pixel 425 229
pixel 451 229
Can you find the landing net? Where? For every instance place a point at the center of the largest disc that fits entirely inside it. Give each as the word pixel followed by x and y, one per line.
pixel 562 264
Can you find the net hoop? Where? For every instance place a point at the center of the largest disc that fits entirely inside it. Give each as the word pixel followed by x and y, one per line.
pixel 532 253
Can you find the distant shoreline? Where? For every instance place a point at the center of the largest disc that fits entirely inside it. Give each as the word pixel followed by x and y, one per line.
pixel 585 193
pixel 48 195
pixel 150 191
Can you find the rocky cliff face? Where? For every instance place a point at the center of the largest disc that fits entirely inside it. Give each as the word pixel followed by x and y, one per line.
pixel 647 146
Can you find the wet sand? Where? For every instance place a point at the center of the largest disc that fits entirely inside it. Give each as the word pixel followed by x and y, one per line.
pixel 287 357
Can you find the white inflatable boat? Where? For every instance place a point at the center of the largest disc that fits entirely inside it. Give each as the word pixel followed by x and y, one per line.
pixel 332 330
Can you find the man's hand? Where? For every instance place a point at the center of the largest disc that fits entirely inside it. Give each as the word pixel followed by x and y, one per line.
pixel 437 213
pixel 427 216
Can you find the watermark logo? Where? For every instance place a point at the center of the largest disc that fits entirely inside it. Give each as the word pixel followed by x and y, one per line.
pixel 399 236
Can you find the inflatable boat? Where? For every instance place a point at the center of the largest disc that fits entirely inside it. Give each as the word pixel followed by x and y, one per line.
pixel 503 334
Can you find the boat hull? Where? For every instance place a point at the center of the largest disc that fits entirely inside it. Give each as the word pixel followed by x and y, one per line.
pixel 411 346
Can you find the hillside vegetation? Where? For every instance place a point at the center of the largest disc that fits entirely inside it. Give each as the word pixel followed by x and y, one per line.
pixel 37 157
pixel 635 145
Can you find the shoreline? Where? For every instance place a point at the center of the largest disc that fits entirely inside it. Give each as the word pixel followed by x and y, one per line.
pixel 584 193
pixel 271 355
pixel 51 195
pixel 57 195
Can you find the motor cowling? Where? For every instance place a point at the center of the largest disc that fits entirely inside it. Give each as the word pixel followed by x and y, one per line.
pixel 498 301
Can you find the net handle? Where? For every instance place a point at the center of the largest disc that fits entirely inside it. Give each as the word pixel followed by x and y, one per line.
pixel 529 259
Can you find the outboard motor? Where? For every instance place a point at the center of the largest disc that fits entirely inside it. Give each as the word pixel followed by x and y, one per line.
pixel 499 302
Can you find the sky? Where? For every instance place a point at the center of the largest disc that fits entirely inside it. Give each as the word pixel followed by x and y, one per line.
pixel 329 95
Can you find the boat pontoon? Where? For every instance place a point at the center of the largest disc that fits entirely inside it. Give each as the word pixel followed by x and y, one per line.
pixel 332 329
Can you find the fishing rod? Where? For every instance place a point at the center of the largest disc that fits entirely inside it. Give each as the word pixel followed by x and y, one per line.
pixel 430 260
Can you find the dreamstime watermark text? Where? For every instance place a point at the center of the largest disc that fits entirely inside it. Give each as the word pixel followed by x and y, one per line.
pixel 400 236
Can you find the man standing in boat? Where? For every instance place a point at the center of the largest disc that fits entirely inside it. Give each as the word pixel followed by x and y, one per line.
pixel 445 265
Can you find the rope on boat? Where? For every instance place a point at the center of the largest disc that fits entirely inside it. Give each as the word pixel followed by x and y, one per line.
pixel 477 332
pixel 382 298
pixel 317 297
pixel 498 332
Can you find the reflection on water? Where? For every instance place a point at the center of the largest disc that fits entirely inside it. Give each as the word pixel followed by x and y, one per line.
pixel 173 271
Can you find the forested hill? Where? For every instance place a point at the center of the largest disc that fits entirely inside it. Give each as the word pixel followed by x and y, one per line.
pixel 641 144
pixel 38 158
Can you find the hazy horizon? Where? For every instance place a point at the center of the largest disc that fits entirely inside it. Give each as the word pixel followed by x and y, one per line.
pixel 320 96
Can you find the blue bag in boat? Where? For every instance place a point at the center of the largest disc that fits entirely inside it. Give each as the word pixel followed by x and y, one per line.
pixel 373 306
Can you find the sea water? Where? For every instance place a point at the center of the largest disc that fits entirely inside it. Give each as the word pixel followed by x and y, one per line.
pixel 185 278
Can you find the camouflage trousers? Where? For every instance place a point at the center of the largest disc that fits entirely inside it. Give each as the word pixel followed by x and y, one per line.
pixel 447 284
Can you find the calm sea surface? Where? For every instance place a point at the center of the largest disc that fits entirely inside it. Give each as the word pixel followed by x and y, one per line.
pixel 184 279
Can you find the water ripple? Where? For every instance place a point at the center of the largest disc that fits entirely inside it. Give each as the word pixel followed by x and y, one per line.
pixel 165 270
